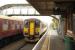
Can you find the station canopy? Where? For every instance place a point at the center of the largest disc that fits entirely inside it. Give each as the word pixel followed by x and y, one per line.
pixel 4 2
pixel 47 7
pixel 22 7
pixel 17 7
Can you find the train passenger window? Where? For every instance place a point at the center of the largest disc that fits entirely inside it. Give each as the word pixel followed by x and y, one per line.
pixel 5 25
pixel 26 24
pixel 17 25
pixel 37 23
pixel 13 26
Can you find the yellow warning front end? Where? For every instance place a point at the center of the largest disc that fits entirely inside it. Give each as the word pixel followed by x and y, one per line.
pixel 32 25
pixel 25 30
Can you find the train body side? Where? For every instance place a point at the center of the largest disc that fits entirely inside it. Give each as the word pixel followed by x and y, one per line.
pixel 10 29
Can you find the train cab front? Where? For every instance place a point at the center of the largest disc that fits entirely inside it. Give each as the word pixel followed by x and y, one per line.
pixel 31 30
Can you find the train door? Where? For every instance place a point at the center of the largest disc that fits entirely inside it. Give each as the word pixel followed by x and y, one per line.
pixel 1 21
pixel 5 28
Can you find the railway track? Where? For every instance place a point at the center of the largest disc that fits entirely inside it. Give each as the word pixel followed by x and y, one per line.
pixel 27 47
pixel 19 45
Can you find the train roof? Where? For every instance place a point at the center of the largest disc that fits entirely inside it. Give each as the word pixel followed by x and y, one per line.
pixel 10 18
